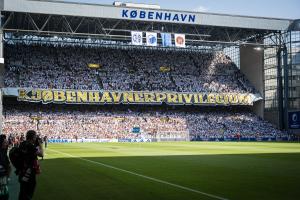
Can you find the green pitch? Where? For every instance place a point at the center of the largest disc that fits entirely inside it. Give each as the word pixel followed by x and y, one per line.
pixel 175 171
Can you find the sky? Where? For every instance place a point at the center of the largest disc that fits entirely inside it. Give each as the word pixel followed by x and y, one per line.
pixel 289 9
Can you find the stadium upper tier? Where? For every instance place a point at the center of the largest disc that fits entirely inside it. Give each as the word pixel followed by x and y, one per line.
pixel 55 67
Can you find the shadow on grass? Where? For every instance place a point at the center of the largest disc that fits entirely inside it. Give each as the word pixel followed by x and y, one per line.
pixel 242 176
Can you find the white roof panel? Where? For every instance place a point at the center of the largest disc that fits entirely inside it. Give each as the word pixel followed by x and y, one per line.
pixel 141 14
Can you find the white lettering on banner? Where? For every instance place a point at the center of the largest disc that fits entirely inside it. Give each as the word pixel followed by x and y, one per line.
pixel 158 15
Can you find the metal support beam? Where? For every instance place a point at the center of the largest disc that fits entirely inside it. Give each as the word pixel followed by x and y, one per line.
pixel 8 20
pixel 286 86
pixel 45 23
pixel 31 20
pixel 279 90
pixel 105 36
pixel 114 26
pixel 68 24
pixel 99 23
pixel 79 24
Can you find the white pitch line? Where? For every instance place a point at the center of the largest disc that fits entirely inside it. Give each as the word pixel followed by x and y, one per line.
pixel 143 176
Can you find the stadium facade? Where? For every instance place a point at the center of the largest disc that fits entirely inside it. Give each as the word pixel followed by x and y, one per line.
pixel 266 50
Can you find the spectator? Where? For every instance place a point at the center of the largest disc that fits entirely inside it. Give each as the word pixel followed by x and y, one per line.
pixel 4 168
pixel 60 122
pixel 121 69
pixel 60 66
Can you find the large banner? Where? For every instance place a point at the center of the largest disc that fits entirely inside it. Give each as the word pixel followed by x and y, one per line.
pixel 166 39
pixel 133 97
pixel 180 40
pixel 151 39
pixel 136 38
pixel 294 120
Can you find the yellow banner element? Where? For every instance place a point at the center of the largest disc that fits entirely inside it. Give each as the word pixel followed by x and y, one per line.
pixel 94 66
pixel 164 69
pixel 133 97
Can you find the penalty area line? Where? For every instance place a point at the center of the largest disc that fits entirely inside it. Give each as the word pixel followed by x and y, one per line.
pixel 142 176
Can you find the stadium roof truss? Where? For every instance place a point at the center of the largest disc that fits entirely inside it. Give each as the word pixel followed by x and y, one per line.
pixel 21 18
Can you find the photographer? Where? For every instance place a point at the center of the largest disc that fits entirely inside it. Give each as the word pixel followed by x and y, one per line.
pixel 31 149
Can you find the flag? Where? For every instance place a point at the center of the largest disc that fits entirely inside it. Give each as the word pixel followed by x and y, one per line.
pixel 151 39
pixel 136 38
pixel 179 40
pixel 166 39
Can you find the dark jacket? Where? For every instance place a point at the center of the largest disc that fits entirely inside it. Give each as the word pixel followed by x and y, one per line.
pixel 4 163
pixel 29 169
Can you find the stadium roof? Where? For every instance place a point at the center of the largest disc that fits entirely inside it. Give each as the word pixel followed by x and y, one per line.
pixel 116 22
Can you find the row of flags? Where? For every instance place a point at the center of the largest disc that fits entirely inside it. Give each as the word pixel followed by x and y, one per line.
pixel 151 39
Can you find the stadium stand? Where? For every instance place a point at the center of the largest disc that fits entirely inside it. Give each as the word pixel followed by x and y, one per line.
pixel 118 122
pixel 36 66
pixel 67 67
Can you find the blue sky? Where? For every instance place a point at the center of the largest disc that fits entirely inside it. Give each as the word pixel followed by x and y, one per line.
pixel 265 8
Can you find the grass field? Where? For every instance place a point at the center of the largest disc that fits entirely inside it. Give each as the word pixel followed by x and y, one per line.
pixel 185 171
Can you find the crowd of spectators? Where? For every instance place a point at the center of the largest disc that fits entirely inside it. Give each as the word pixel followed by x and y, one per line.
pixel 60 122
pixel 38 66
pixel 66 67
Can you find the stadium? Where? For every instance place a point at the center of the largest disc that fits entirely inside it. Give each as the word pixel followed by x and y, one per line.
pixel 140 102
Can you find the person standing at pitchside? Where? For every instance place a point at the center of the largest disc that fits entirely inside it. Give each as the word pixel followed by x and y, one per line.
pixel 5 168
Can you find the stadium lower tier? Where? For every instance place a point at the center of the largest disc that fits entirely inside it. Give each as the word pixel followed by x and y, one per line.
pixel 159 123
